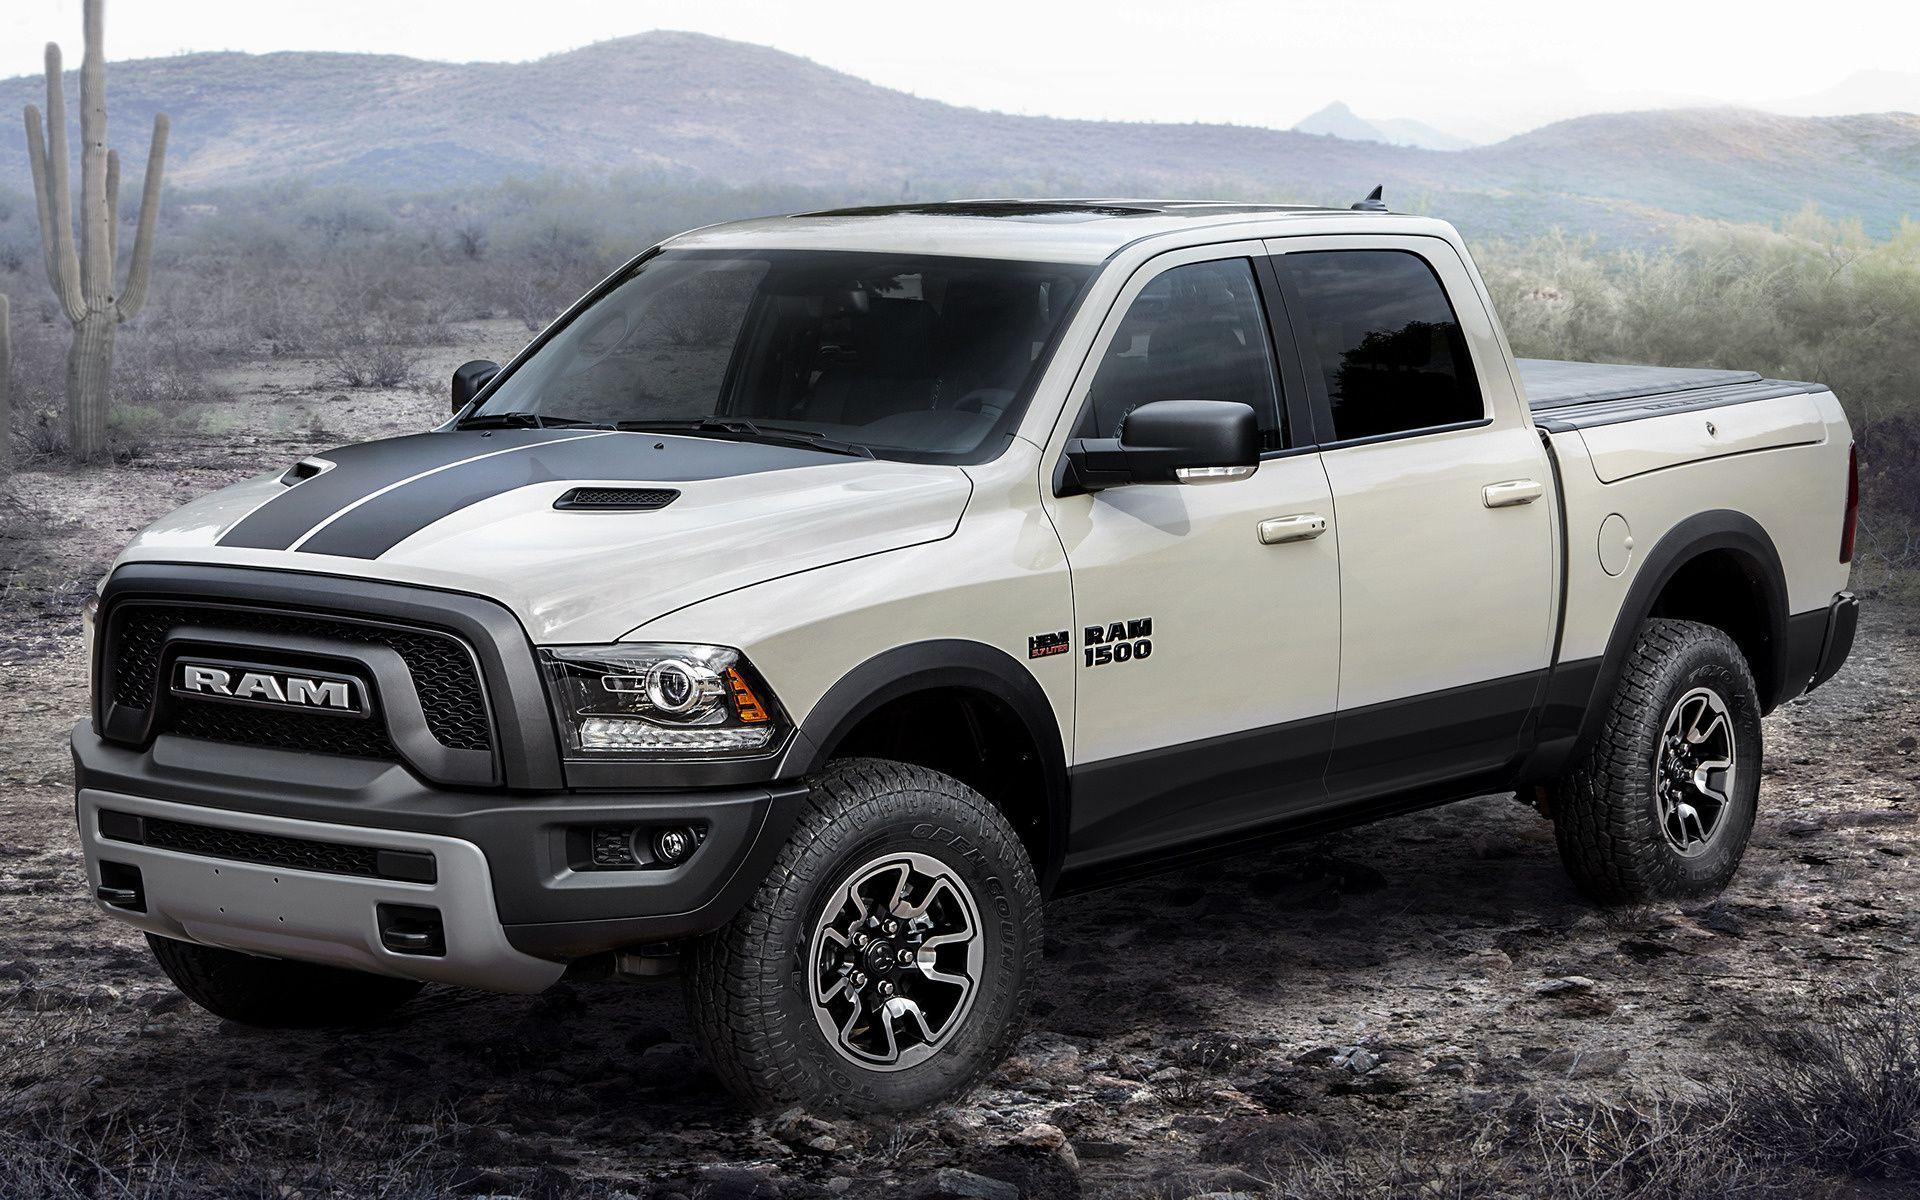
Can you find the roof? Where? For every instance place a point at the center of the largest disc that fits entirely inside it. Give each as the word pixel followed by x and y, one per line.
pixel 1060 230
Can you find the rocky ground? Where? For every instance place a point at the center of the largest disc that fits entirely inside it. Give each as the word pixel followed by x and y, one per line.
pixel 1421 1007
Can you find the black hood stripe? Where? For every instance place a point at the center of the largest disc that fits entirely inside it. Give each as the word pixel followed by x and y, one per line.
pixel 360 471
pixel 387 509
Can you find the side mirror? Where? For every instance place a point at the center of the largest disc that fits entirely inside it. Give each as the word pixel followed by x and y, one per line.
pixel 469 378
pixel 1168 441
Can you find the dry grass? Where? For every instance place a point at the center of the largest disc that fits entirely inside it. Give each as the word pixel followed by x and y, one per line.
pixel 1841 1090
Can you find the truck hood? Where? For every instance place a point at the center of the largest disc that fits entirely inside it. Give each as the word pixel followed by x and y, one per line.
pixel 476 512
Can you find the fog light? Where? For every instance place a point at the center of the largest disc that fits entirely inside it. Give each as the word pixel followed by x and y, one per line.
pixel 672 846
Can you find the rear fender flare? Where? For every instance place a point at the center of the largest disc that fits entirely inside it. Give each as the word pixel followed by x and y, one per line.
pixel 1717 529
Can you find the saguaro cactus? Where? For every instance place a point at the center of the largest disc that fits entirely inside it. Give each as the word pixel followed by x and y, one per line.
pixel 83 279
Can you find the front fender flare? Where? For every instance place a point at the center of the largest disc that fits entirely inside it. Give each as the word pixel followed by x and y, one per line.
pixel 950 663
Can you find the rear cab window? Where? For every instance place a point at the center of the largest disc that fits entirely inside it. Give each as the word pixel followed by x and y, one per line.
pixel 1383 349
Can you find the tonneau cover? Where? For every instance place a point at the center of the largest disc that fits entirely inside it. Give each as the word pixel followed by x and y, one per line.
pixel 1553 383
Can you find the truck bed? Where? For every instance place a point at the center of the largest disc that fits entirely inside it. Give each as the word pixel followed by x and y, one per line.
pixel 1577 395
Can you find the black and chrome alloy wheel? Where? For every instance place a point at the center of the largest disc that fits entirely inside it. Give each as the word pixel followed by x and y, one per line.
pixel 1694 770
pixel 1661 803
pixel 896 961
pixel 887 958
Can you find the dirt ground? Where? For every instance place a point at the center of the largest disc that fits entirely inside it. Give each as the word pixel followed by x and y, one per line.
pixel 1186 1024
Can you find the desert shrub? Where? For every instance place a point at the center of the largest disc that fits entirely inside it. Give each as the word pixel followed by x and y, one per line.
pixel 1686 1150
pixel 196 1152
pixel 1841 1089
pixel 367 355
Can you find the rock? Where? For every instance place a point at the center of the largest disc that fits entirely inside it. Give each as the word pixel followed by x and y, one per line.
pixel 797 1127
pixel 1046 1056
pixel 1566 985
pixel 737 1183
pixel 1357 1059
pixel 1101 1149
pixel 951 1183
pixel 1491 959
pixel 668 1061
pixel 1046 1139
pixel 1033 1174
pixel 1039 1137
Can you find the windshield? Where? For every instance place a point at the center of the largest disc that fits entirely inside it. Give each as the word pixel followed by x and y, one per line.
pixel 922 358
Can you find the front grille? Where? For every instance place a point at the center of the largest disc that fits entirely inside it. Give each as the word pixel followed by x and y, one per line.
pixel 444 675
pixel 331 858
pixel 214 722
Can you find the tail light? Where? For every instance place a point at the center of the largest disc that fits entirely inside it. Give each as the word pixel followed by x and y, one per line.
pixel 1853 504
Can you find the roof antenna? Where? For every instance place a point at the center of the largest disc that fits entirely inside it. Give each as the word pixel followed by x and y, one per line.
pixel 1373 202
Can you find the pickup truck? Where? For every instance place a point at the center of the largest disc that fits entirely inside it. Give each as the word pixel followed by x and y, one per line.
pixel 820 594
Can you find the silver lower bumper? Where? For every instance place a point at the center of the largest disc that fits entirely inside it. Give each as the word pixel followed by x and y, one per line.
pixel 282 912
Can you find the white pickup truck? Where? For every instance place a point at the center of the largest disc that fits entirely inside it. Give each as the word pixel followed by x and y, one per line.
pixel 821 593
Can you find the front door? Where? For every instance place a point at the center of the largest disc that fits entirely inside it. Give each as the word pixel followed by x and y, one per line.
pixel 1207 657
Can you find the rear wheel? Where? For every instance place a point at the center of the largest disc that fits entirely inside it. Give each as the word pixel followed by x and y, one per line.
pixel 274 993
pixel 1661 805
pixel 887 961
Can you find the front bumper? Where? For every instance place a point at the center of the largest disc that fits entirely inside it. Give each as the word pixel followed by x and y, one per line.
pixel 311 916
pixel 516 899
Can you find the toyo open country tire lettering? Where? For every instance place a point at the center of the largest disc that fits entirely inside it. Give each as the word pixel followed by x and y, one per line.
pixel 1661 805
pixel 887 961
pixel 273 993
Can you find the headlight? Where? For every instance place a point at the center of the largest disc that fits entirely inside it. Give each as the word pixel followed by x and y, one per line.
pixel 655 700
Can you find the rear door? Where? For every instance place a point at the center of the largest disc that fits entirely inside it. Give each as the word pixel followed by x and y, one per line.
pixel 1206 658
pixel 1442 495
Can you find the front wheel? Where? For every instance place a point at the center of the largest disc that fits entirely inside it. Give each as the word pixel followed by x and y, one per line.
pixel 887 961
pixel 1661 805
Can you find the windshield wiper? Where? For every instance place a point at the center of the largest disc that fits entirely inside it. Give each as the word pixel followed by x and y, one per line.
pixel 526 420
pixel 741 429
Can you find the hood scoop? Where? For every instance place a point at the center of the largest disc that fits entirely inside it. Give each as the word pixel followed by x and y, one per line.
pixel 616 499
pixel 304 470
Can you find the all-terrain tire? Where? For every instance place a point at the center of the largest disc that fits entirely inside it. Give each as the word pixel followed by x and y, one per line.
pixel 1606 813
pixel 274 993
pixel 752 985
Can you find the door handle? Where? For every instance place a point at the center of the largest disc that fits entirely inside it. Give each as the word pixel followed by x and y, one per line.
pixel 1512 492
pixel 1299 527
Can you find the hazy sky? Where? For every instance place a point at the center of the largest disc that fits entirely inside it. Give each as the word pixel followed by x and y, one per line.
pixel 1483 68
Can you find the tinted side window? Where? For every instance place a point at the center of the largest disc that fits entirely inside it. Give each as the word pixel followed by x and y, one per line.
pixel 1388 344
pixel 1195 332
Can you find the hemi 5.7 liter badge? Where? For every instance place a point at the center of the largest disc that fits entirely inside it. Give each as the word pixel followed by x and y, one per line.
pixel 1046 645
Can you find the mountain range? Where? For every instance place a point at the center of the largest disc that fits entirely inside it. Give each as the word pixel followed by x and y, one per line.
pixel 1337 120
pixel 705 108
